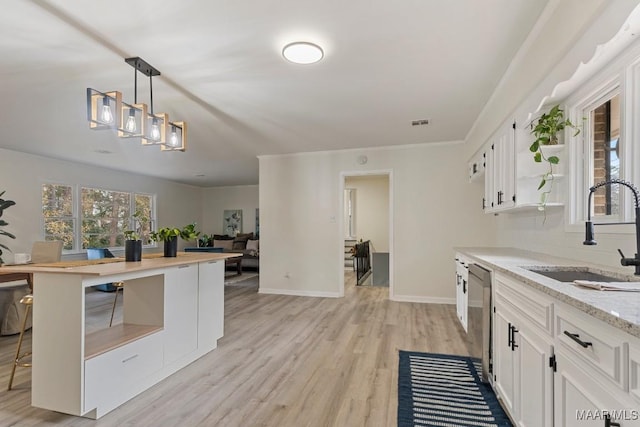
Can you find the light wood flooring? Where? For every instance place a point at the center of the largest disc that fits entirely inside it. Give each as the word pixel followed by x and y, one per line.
pixel 284 361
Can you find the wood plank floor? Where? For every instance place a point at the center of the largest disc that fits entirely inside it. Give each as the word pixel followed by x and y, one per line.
pixel 284 361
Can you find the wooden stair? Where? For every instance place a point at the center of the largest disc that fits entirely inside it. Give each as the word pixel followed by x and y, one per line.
pixel 348 256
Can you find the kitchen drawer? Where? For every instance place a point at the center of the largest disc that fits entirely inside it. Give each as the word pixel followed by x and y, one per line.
pixel 605 349
pixel 535 306
pixel 110 377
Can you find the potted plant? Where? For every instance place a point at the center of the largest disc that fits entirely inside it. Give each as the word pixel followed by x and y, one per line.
pixel 133 239
pixel 168 235
pixel 205 241
pixel 189 232
pixel 546 131
pixel 4 204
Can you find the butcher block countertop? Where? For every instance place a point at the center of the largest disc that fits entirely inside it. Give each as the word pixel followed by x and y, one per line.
pixel 111 266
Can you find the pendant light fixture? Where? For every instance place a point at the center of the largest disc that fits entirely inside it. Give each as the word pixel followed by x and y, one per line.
pixel 106 110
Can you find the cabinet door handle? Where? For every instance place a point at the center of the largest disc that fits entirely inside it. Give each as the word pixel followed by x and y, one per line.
pixel 608 422
pixel 510 336
pixel 129 358
pixel 577 339
pixel 513 338
pixel 184 266
pixel 464 286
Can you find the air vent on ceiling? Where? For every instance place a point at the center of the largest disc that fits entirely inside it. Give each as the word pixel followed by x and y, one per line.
pixel 421 122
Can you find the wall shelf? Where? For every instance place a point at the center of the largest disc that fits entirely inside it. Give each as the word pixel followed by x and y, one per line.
pixel 102 341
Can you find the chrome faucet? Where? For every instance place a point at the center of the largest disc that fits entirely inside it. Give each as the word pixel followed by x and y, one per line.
pixel 588 240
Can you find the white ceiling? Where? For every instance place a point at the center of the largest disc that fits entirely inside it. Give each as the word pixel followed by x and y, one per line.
pixel 386 63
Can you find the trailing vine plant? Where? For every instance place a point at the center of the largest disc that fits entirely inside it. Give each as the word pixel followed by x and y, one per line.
pixel 546 131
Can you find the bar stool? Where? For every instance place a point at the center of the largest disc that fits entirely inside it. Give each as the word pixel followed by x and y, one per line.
pixel 27 300
pixel 119 286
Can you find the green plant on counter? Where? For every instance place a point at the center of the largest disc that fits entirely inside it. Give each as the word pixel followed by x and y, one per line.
pixel 5 204
pixel 189 232
pixel 546 131
pixel 164 234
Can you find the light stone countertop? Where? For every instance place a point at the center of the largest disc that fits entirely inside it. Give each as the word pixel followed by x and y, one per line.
pixel 620 309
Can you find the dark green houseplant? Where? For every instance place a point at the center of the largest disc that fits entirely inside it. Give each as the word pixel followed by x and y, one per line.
pixel 169 235
pixel 546 131
pixel 4 204
pixel 133 238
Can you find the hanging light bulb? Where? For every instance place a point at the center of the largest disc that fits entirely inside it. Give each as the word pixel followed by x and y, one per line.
pixel 131 121
pixel 155 130
pixel 107 115
pixel 173 140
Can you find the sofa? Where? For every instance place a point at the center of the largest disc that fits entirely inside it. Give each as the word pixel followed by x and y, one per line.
pixel 243 243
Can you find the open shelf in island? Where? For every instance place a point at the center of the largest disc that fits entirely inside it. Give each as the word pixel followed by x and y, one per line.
pixel 104 340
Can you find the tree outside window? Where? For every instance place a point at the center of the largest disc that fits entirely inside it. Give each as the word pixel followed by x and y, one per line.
pixel 57 210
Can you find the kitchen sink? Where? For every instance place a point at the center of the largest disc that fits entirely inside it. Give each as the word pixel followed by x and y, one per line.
pixel 569 274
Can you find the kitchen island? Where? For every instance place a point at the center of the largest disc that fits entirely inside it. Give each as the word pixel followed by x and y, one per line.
pixel 173 313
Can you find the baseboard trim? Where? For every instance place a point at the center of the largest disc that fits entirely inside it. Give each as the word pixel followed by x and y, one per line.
pixel 297 293
pixel 424 300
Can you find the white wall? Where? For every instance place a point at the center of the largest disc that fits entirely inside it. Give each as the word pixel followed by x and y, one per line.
pixel 371 210
pixel 301 246
pixel 216 200
pixel 22 176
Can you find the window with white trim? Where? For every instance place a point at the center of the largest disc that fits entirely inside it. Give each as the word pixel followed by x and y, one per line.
pixel 94 217
pixel 59 214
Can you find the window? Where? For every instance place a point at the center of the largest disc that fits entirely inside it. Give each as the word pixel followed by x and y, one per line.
pixel 57 210
pixel 104 216
pixel 604 152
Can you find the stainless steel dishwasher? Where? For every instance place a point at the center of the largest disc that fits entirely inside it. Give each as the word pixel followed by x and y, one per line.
pixel 479 312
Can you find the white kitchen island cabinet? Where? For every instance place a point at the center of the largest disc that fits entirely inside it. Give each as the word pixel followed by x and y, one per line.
pixel 173 313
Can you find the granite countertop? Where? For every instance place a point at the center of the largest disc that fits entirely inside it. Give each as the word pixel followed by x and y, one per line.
pixel 619 309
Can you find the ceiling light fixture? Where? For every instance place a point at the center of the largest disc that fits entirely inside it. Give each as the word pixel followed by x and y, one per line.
pixel 133 120
pixel 302 53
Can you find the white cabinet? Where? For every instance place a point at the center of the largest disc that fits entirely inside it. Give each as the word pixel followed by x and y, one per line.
pixel 477 166
pixel 181 311
pixel 556 365
pixel 523 377
pixel 582 400
pixel 210 304
pixel 595 372
pixel 462 290
pixel 500 188
pixel 113 377
pixel 511 176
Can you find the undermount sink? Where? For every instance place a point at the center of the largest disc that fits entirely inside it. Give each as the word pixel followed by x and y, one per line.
pixel 569 274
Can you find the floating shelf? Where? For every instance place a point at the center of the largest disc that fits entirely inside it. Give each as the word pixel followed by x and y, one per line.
pixel 532 207
pixel 99 342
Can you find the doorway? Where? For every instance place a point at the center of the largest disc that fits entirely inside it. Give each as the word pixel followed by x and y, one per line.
pixel 366 200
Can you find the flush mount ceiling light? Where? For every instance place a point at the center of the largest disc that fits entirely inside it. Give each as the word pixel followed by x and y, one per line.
pixel 302 53
pixel 106 110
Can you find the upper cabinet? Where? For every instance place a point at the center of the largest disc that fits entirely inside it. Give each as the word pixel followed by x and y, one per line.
pixel 499 176
pixel 511 177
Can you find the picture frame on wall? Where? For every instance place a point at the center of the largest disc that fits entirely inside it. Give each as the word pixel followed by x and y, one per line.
pixel 232 222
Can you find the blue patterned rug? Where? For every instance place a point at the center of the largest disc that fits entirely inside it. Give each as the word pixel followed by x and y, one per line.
pixel 445 390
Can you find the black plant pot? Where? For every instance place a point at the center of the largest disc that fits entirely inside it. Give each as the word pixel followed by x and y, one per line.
pixel 133 250
pixel 171 247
